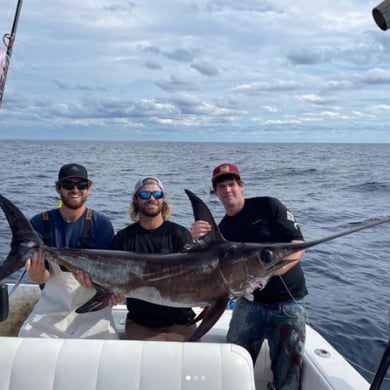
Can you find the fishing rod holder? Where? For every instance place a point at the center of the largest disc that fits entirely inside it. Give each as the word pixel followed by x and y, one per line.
pixel 381 15
pixel 4 302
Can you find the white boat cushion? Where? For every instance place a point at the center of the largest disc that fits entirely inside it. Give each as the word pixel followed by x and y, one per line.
pixel 59 364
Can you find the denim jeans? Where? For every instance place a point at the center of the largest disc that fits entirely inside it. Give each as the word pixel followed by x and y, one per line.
pixel 283 325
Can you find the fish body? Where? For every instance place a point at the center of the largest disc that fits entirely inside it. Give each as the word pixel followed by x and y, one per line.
pixel 195 277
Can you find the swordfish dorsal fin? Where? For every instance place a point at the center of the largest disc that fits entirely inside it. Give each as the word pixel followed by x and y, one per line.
pixel 202 212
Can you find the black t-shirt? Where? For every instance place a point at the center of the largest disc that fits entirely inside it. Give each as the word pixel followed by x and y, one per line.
pixel 168 238
pixel 266 220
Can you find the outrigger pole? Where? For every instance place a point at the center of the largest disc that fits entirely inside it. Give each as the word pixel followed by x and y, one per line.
pixel 382 369
pixel 8 40
pixel 381 15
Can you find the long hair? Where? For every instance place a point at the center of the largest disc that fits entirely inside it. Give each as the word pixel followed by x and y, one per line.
pixel 134 210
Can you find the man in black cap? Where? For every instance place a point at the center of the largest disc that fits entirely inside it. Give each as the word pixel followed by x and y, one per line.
pixel 72 225
pixel 275 311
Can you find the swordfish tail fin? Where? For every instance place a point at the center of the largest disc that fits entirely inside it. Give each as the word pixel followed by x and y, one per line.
pixel 24 239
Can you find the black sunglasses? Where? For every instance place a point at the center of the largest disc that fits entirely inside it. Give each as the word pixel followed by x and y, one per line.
pixel 69 185
pixel 147 194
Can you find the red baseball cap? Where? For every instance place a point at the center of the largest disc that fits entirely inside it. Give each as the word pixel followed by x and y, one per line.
pixel 225 169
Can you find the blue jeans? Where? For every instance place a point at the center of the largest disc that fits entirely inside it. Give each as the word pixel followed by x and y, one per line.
pixel 283 325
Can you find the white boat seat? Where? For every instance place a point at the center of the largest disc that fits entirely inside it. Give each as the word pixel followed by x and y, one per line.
pixel 63 364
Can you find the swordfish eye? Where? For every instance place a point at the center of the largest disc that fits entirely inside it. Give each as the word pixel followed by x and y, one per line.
pixel 266 255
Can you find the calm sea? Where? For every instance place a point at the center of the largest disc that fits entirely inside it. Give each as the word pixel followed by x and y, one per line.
pixel 329 188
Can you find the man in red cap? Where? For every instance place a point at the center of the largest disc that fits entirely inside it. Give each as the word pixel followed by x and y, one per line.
pixel 275 311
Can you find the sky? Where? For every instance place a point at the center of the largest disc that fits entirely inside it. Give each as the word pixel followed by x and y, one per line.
pixel 207 71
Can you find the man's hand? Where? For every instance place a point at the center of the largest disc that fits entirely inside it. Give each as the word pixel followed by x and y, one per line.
pixel 116 299
pixel 199 229
pixel 84 279
pixel 36 268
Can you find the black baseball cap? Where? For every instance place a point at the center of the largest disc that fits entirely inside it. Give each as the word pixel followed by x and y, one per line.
pixel 72 171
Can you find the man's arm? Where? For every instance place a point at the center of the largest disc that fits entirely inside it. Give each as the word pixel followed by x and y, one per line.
pixel 294 256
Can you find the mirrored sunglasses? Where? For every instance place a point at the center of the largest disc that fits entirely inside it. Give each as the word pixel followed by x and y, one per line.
pixel 147 194
pixel 69 185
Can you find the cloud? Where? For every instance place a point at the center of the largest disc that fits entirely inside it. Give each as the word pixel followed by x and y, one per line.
pixel 205 68
pixel 177 83
pixel 221 67
pixel 376 76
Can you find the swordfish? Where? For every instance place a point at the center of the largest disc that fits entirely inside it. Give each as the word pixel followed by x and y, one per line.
pixel 206 273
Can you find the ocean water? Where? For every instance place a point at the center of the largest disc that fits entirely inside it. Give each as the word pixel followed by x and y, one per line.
pixel 328 187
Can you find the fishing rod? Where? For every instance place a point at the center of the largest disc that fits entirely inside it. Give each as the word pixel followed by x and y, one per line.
pixel 8 40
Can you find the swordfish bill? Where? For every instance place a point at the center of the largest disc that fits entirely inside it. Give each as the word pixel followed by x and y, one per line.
pixel 206 273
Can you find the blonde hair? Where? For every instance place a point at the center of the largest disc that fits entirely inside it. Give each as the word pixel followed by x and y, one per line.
pixel 134 210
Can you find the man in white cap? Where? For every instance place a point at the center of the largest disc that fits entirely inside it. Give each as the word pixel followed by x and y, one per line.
pixel 152 232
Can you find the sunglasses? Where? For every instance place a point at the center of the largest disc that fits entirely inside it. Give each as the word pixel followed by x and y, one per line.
pixel 69 185
pixel 147 194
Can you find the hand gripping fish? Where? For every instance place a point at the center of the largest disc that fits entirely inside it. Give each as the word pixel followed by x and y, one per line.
pixel 207 273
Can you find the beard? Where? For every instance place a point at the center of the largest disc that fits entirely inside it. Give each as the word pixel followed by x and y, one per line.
pixel 71 203
pixel 147 211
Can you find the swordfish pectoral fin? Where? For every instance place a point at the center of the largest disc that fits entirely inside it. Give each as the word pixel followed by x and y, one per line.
pixel 212 315
pixel 98 302
pixel 200 316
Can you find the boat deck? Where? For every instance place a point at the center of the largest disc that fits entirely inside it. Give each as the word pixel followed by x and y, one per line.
pixel 324 367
